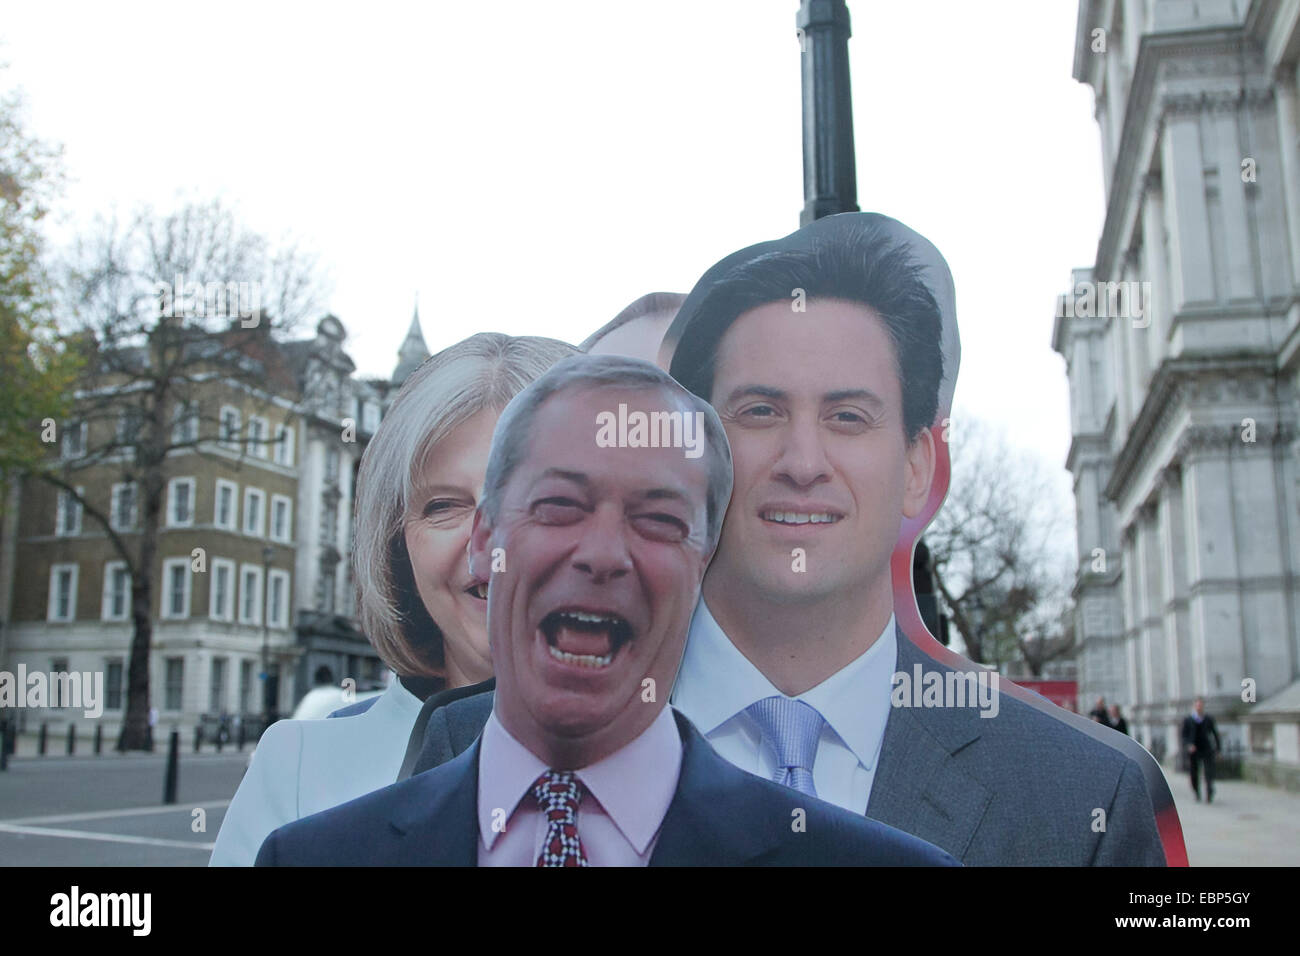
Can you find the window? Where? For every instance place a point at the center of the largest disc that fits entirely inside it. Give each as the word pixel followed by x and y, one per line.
pixel 68 520
pixel 281 519
pixel 250 594
pixel 122 508
pixel 230 427
pixel 257 435
pixel 129 423
pixel 63 592
pixel 113 688
pixel 74 439
pixel 185 423
pixel 254 505
pixel 221 593
pixel 245 684
pixel 176 588
pixel 180 502
pixel 332 466
pixel 277 602
pixel 217 686
pixel 370 417
pixel 59 666
pixel 117 592
pixel 226 505
pixel 283 452
pixel 174 684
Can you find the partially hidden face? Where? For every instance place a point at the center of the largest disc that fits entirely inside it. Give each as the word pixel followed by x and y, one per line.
pixel 437 527
pixel 595 561
pixel 812 405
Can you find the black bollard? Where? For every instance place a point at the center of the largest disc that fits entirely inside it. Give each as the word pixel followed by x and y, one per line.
pixel 239 737
pixel 40 742
pixel 72 739
pixel 6 744
pixel 99 739
pixel 173 761
pixel 198 738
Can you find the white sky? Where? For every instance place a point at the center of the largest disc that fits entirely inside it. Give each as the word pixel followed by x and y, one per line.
pixel 532 167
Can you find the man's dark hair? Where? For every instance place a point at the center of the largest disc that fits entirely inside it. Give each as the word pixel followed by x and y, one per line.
pixel 652 303
pixel 863 264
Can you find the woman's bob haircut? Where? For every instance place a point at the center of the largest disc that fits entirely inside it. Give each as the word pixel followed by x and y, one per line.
pixel 482 372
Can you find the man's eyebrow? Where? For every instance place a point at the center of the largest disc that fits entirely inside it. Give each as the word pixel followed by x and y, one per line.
pixel 666 494
pixel 577 477
pixel 861 394
pixel 839 395
pixel 756 391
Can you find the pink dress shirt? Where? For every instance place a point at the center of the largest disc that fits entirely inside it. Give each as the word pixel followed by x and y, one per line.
pixel 627 796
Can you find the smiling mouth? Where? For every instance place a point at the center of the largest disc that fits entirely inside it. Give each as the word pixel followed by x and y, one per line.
pixel 477 590
pixel 800 517
pixel 585 638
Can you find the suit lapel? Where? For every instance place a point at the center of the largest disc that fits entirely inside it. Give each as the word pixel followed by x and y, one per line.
pixel 918 787
pixel 709 821
pixel 438 823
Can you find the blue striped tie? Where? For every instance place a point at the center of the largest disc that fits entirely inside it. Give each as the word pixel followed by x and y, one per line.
pixel 793 729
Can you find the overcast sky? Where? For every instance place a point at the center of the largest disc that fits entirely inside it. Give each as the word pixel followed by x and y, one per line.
pixel 532 167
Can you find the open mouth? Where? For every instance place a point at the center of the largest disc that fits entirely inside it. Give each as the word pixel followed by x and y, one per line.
pixel 585 638
pixel 800 517
pixel 477 590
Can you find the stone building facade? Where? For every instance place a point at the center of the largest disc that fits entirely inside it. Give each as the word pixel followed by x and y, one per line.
pixel 1182 346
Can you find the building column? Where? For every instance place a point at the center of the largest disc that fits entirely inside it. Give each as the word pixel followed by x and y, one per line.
pixel 1155 265
pixel 1214 576
pixel 1135 680
pixel 1191 269
pixel 1289 151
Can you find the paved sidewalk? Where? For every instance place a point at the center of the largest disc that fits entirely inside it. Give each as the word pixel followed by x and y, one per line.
pixel 1247 824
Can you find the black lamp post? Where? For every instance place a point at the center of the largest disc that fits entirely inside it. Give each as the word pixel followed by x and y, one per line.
pixel 830 180
pixel 268 556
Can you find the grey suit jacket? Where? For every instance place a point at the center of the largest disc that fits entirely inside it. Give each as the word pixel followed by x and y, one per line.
pixel 1023 788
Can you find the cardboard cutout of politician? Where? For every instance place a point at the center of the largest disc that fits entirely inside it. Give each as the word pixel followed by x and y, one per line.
pixel 831 355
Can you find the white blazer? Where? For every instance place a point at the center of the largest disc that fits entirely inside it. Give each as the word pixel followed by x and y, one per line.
pixel 301 767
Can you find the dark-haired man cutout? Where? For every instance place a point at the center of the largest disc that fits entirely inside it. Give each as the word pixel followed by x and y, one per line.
pixel 822 354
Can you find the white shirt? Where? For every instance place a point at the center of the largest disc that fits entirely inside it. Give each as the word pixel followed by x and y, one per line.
pixel 717 682
pixel 301 767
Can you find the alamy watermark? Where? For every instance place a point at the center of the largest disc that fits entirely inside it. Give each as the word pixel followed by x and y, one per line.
pixel 130 910
pixel 73 689
pixel 946 688
pixel 185 298
pixel 638 429
pixel 1129 299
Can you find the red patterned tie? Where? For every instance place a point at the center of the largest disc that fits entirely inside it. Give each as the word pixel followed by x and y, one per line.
pixel 558 794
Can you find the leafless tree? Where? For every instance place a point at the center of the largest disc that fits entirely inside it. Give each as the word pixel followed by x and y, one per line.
pixel 1000 551
pixel 166 306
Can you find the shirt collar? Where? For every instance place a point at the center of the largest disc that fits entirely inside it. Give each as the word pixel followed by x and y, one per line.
pixel 717 682
pixel 634 785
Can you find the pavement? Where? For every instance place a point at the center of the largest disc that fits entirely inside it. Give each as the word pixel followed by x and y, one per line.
pixel 1248 824
pixel 108 810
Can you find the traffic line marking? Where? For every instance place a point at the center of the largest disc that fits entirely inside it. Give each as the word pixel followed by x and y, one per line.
pixel 111 814
pixel 104 837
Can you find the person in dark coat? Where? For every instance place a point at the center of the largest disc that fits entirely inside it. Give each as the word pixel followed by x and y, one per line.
pixel 1099 712
pixel 1117 721
pixel 1201 741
